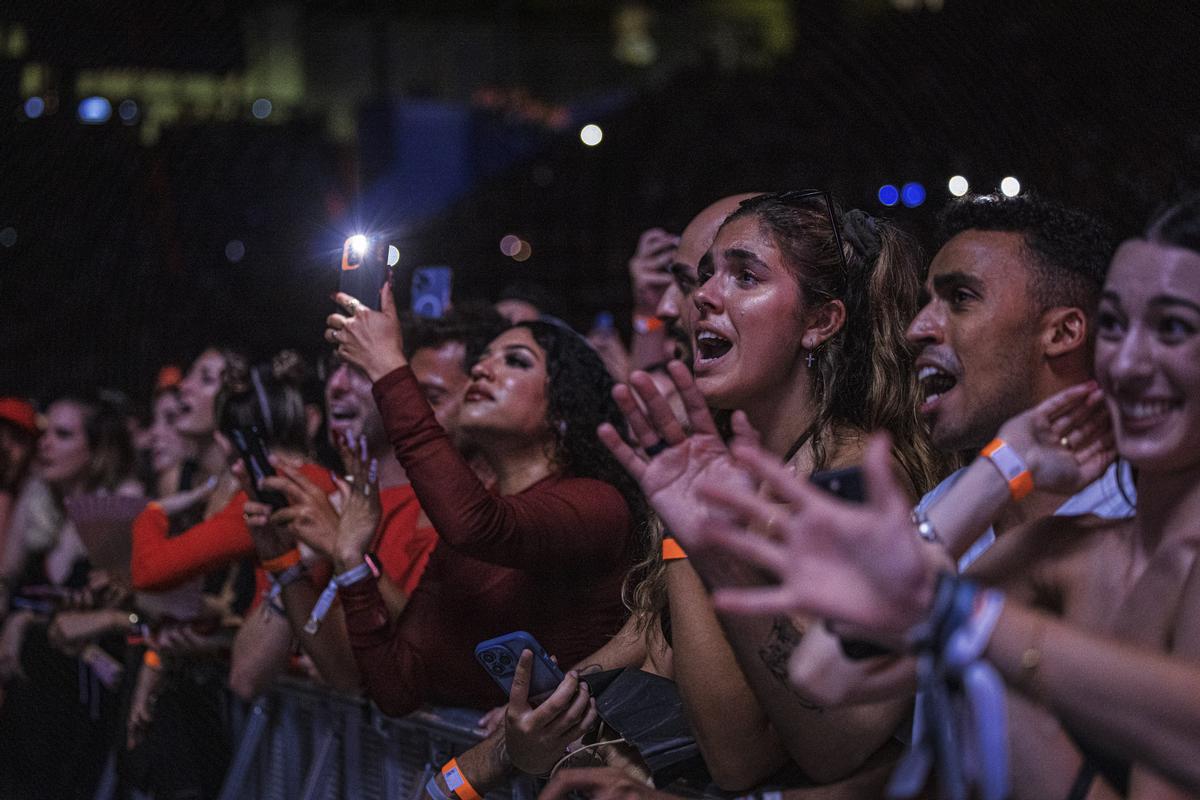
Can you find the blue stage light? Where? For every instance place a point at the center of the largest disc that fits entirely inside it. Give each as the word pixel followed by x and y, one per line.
pixel 888 195
pixel 34 107
pixel 94 110
pixel 913 194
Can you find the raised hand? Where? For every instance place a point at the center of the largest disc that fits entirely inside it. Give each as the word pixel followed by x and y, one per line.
pixel 682 458
pixel 649 268
pixel 537 737
pixel 309 515
pixel 271 540
pixel 1066 440
pixel 857 563
pixel 370 340
pixel 361 511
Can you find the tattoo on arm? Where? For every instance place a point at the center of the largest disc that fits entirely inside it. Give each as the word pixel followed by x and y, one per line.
pixel 777 650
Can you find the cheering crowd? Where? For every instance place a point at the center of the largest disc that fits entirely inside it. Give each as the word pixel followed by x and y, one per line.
pixel 841 522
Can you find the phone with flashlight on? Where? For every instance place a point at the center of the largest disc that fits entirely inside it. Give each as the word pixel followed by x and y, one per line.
pixel 366 265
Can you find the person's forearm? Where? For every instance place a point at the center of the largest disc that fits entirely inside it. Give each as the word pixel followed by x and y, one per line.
pixel 260 653
pixel 976 501
pixel 393 672
pixel 828 744
pixel 486 766
pixel 1140 705
pixel 329 647
pixel 733 733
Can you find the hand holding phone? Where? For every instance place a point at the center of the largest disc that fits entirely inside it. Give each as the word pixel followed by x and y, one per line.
pixel 536 734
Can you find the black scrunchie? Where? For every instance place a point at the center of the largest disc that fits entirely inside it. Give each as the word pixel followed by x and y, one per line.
pixel 862 231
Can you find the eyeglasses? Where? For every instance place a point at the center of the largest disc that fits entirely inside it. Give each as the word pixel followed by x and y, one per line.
pixel 795 197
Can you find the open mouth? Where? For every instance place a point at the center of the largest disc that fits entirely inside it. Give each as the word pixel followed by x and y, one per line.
pixel 934 382
pixel 710 346
pixel 342 414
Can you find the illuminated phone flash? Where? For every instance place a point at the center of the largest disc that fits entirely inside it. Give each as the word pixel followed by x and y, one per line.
pixel 354 250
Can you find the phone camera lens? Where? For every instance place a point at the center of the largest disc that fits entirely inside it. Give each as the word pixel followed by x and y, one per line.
pixel 488 657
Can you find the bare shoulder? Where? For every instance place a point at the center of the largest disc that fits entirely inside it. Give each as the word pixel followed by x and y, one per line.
pixel 1186 633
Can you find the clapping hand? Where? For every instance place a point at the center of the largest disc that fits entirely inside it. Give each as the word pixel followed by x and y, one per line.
pixel 1066 440
pixel 857 563
pixel 681 458
pixel 361 510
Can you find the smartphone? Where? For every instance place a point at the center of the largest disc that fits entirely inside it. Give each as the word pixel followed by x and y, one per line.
pixel 252 447
pixel 431 291
pixel 499 657
pixel 848 485
pixel 364 269
pixel 845 483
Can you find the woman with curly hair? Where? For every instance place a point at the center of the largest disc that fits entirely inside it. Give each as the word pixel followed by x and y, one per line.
pixel 546 551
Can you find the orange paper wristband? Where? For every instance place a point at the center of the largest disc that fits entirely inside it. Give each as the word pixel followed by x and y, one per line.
pixel 152 659
pixel 457 782
pixel 1012 468
pixel 671 551
pixel 279 563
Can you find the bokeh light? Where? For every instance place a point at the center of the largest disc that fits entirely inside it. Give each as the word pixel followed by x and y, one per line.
pixel 591 135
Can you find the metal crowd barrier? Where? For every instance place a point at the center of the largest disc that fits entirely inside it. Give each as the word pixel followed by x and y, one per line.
pixel 301 741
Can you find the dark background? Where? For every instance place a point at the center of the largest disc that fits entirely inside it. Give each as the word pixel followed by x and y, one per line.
pixel 449 125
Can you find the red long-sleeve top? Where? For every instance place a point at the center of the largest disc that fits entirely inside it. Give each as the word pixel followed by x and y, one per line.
pixel 159 563
pixel 549 560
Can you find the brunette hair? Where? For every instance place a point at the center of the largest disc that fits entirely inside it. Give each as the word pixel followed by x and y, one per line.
pixel 267 396
pixel 863 377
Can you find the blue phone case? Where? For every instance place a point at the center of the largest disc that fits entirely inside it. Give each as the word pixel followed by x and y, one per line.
pixel 499 657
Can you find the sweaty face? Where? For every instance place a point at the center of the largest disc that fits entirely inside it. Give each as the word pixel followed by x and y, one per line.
pixel 439 370
pixel 748 319
pixel 506 397
pixel 167 447
pixel 63 451
pixel 198 393
pixel 977 338
pixel 1148 354
pixel 350 407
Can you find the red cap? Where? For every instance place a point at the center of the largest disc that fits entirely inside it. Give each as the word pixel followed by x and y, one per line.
pixel 169 377
pixel 19 413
